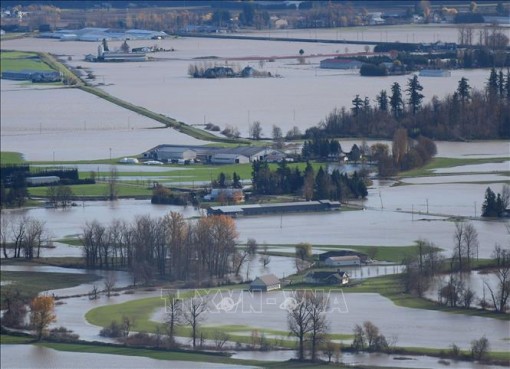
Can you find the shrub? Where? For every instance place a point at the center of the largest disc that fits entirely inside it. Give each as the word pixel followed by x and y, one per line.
pixel 63 334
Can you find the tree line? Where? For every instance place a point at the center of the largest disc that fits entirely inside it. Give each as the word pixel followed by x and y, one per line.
pixel 168 247
pixel 308 184
pixel 467 113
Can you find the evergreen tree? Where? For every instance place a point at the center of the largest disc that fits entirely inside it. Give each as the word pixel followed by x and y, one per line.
pixel 236 180
pixel 501 84
pixel 322 184
pixel 415 96
pixel 463 90
pixel 507 84
pixel 492 83
pixel 491 207
pixel 382 100
pixel 357 104
pixel 396 102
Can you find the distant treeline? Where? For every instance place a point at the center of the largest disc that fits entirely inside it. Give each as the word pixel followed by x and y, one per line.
pixel 467 113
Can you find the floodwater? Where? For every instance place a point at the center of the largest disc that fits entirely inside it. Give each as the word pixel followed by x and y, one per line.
pixel 237 102
pixel 268 310
pixel 122 279
pixel 59 124
pixel 72 125
pixel 32 356
pixel 369 227
pixel 70 221
pixel 379 360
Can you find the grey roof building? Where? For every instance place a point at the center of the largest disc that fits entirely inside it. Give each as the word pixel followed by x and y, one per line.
pixel 265 283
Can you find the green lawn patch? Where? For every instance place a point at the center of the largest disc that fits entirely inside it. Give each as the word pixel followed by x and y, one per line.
pixel 7 339
pixel 440 162
pixel 9 157
pixel 17 61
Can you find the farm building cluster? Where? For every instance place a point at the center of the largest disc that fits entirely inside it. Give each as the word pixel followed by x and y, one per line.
pixel 99 34
pixel 183 154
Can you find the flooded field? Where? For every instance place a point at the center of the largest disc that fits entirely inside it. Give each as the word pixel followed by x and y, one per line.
pixel 45 358
pixel 67 124
pixel 238 102
pixel 348 309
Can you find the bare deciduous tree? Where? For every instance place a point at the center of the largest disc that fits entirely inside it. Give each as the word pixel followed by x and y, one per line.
pixel 255 130
pixel 173 314
pixel 109 283
pixel 501 292
pixel 194 310
pixel 298 318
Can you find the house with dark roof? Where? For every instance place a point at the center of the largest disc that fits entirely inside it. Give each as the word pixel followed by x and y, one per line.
pixel 327 254
pixel 325 277
pixel 265 283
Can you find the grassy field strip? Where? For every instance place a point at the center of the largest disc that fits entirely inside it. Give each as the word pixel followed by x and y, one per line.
pixel 9 157
pixel 442 162
pixel 18 60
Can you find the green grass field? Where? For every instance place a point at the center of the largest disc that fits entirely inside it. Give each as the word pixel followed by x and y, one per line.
pixel 440 162
pixel 17 60
pixel 8 157
pixel 140 188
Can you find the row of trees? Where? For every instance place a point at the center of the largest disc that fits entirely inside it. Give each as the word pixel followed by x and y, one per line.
pixel 22 237
pixel 310 185
pixel 169 247
pixel 466 114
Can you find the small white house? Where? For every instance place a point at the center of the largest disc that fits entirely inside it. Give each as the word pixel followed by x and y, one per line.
pixel 349 260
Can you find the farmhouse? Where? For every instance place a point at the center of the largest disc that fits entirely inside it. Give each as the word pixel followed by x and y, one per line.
pixel 343 261
pixel 265 283
pixel 325 277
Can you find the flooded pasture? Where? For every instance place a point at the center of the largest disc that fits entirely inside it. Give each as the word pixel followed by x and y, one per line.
pixel 348 309
pixel 239 102
pixel 71 125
